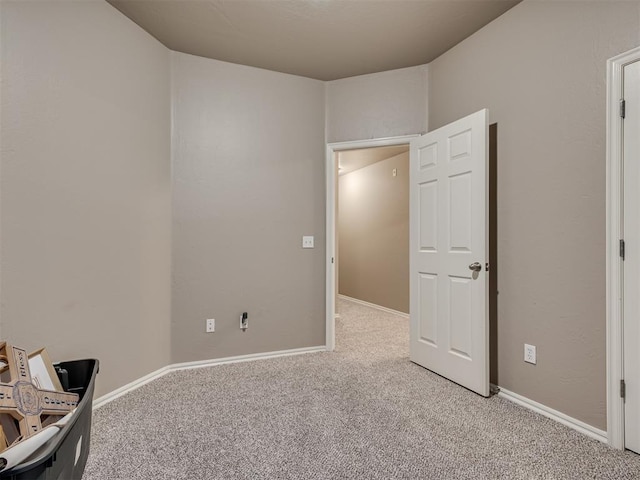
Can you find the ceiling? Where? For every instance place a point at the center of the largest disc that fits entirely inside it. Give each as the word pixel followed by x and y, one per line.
pixel 350 160
pixel 322 39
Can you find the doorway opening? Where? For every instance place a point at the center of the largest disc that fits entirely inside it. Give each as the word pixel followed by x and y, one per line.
pixel 372 227
pixel 351 157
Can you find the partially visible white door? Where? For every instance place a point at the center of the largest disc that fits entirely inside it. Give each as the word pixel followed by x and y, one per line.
pixel 448 252
pixel 631 264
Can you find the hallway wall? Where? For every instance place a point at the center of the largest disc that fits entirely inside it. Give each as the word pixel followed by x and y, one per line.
pixel 373 233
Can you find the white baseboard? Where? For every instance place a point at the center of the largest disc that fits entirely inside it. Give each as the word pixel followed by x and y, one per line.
pixel 246 358
pixel 560 417
pixel 373 305
pixel 129 387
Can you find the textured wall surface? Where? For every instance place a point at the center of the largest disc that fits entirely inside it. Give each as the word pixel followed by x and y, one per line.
pixel 379 105
pixel 373 233
pixel 85 187
pixel 248 166
pixel 85 202
pixel 540 69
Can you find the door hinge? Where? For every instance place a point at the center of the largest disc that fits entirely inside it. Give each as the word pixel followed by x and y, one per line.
pixel 486 266
pixel 623 108
pixel 623 389
pixel 622 249
pixel 331 259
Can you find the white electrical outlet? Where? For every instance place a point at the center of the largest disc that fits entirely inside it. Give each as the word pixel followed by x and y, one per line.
pixel 211 325
pixel 307 242
pixel 530 353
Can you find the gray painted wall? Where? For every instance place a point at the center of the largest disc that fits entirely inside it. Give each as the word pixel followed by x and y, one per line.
pixel 540 69
pixel 379 105
pixel 85 187
pixel 373 233
pixel 248 166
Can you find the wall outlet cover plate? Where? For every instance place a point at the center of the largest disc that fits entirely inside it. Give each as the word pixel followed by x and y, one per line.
pixel 210 325
pixel 530 354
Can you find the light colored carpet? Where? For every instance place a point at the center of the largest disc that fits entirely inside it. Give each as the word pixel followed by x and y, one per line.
pixel 363 411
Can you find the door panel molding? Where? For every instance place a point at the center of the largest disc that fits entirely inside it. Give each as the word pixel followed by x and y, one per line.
pixel 449 230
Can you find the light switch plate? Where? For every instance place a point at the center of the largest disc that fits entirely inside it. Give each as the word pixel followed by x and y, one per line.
pixel 307 242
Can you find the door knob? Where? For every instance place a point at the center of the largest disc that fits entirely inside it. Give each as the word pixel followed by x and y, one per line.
pixel 475 266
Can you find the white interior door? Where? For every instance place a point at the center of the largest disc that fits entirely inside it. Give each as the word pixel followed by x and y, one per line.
pixel 449 245
pixel 631 264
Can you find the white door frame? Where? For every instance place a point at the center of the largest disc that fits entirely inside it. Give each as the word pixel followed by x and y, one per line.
pixel 615 404
pixel 330 175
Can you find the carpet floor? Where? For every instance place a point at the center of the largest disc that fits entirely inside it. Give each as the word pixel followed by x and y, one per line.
pixel 361 412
